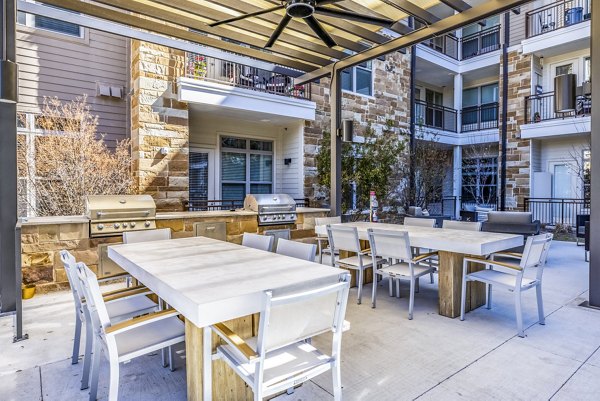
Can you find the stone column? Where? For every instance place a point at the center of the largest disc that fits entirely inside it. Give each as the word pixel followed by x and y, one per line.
pixel 159 125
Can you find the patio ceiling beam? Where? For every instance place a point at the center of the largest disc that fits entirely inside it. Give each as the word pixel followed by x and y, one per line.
pixel 397 27
pixel 414 10
pixel 175 32
pixel 457 5
pixel 446 25
pixel 242 7
pixel 150 9
pixel 125 31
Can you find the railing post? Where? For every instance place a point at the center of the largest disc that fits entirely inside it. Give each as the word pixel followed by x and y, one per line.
pixel 562 211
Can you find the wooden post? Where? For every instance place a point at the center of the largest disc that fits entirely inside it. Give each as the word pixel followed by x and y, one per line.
pixel 450 285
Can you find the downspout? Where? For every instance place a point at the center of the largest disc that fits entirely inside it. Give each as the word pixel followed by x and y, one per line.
pixel 412 184
pixel 504 128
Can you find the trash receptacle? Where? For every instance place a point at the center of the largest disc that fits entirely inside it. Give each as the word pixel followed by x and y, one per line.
pixel 573 15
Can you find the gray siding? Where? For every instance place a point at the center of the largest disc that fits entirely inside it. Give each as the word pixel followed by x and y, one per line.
pixel 517 25
pixel 52 64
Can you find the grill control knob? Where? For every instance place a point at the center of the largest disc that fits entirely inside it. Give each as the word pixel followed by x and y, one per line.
pixel 147 224
pixel 132 224
pixel 125 225
pixel 100 226
pixel 116 225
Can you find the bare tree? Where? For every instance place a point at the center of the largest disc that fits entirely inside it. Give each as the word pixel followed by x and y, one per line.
pixel 581 167
pixel 71 160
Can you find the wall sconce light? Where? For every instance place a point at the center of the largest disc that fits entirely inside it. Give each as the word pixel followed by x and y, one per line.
pixel 347 131
pixel 287 162
pixel 164 151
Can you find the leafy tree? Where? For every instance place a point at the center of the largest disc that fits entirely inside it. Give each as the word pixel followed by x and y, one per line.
pixel 375 164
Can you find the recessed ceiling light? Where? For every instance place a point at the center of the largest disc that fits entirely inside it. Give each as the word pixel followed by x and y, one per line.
pixel 265 120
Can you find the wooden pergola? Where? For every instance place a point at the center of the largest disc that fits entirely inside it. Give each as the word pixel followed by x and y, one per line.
pixel 384 26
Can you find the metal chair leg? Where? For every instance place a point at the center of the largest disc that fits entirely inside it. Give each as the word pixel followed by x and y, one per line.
pixel 397 288
pixel 95 371
pixel 540 303
pixel 360 284
pixel 489 296
pixel 519 314
pixel 89 343
pixel 374 293
pixel 391 286
pixel 411 301
pixel 463 298
pixel 76 340
pixel 207 364
pixel 113 390
pixel 171 359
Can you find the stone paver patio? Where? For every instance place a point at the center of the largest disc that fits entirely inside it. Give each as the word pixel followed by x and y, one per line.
pixel 385 356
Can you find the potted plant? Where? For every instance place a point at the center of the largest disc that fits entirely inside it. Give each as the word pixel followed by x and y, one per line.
pixel 197 66
pixel 537 117
pixel 27 291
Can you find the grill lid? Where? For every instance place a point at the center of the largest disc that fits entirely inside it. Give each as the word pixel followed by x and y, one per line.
pixel 122 207
pixel 266 203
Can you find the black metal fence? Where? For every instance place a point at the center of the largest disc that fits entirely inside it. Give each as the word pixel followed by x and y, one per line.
pixel 196 205
pixel 477 118
pixel 541 108
pixel 243 76
pixel 552 211
pixel 482 42
pixel 435 116
pixel 556 16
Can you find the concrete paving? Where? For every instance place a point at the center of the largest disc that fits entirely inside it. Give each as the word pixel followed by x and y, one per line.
pixel 385 356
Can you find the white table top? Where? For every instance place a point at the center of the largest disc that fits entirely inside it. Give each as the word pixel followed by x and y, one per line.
pixel 443 239
pixel 210 281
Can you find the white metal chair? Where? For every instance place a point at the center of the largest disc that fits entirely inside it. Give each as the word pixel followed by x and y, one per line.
pixel 296 249
pixel 504 256
pixel 419 222
pixel 257 241
pixel 395 246
pixel 462 225
pixel 512 277
pixel 131 237
pixel 121 305
pixel 280 357
pixel 121 342
pixel 322 248
pixel 284 233
pixel 342 238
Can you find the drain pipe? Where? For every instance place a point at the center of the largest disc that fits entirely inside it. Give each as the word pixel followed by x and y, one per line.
pixel 504 129
pixel 412 185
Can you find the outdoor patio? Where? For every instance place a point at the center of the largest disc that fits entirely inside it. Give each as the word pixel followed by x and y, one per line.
pixel 385 356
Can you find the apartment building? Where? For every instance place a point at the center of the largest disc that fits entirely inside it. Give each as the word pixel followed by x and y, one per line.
pixel 205 127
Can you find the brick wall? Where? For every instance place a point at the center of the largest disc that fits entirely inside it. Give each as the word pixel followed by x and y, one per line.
pixel 518 158
pixel 159 121
pixel 390 102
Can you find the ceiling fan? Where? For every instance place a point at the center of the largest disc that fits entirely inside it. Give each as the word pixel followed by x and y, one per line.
pixel 306 10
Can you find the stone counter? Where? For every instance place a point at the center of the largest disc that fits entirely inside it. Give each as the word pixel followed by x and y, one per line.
pixel 43 237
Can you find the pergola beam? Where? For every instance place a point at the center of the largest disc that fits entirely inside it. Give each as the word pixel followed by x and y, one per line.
pixel 446 25
pixel 457 5
pixel 412 9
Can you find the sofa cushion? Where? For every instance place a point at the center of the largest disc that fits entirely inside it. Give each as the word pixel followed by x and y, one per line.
pixel 509 217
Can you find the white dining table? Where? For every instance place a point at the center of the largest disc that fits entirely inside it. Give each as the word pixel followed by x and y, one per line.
pixel 210 281
pixel 452 246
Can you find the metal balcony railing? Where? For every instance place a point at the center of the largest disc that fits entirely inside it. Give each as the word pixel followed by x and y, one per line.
pixel 435 116
pixel 243 76
pixel 481 117
pixel 551 211
pixel 482 42
pixel 541 108
pixel 447 44
pixel 556 16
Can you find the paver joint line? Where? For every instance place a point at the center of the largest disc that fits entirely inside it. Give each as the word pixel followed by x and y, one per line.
pixel 573 374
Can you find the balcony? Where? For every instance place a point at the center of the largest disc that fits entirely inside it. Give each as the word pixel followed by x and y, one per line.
pixel 446 45
pixel 435 116
pixel 479 43
pixel 540 108
pixel 477 118
pixel 556 16
pixel 242 76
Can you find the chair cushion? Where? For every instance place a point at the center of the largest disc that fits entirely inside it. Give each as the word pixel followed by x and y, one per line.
pixel 402 269
pixel 127 308
pixel 498 277
pixel 281 364
pixel 509 217
pixel 150 337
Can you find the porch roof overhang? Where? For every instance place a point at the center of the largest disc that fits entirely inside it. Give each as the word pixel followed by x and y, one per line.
pixel 298 48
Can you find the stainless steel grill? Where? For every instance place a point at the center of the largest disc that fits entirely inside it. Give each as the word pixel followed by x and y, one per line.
pixel 272 208
pixel 111 215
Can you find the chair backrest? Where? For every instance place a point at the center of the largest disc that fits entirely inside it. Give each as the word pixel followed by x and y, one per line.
pixel 510 217
pixel 536 250
pixel 284 233
pixel 323 221
pixel 70 265
pixel 462 225
pixel 131 237
pixel 295 249
pixel 390 244
pixel 421 222
pixel 288 319
pixel 256 241
pixel 343 238
pixel 93 298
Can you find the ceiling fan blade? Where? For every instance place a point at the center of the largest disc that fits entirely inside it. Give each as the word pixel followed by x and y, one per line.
pixel 243 16
pixel 323 2
pixel 347 15
pixel 277 32
pixel 322 33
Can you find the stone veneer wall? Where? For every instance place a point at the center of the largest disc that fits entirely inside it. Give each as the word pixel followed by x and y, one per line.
pixel 518 157
pixel 390 102
pixel 159 120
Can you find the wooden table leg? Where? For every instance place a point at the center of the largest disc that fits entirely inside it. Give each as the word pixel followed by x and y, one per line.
pixel 227 386
pixel 450 285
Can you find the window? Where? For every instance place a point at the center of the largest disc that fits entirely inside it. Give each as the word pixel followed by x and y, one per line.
pixel 49 24
pixel 359 79
pixel 480 106
pixel 246 167
pixel 480 180
pixel 564 69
